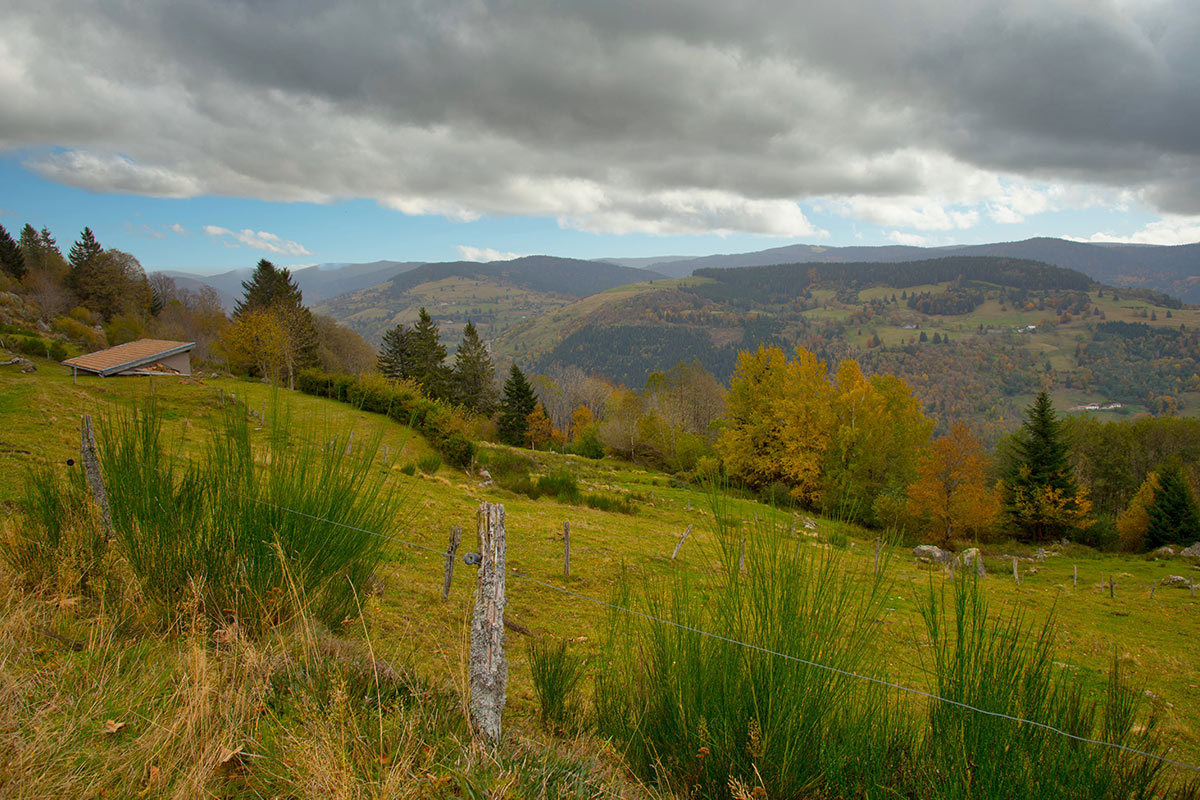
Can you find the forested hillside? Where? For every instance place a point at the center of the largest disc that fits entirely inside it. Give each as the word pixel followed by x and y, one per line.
pixel 976 336
pixel 494 296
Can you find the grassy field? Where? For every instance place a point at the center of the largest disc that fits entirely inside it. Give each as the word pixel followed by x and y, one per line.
pixel 1152 635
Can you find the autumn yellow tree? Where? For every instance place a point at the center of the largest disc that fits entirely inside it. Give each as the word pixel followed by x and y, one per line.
pixel 538 429
pixel 780 415
pixel 951 493
pixel 1135 519
pixel 256 340
pixel 878 439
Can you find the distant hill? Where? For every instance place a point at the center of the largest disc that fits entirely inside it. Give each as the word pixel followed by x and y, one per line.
pixel 1174 270
pixel 976 336
pixel 318 283
pixel 566 276
pixel 494 295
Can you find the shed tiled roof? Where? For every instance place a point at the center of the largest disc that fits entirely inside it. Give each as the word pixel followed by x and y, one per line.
pixel 128 356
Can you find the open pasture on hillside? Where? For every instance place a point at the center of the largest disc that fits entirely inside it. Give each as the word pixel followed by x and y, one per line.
pixel 1148 629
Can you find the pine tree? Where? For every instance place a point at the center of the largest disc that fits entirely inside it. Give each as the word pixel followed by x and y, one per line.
pixel 1039 490
pixel 395 360
pixel 474 376
pixel 1174 517
pixel 12 260
pixel 516 405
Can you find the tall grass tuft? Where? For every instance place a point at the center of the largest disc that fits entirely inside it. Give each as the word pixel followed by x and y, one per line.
pixel 1006 665
pixel 694 712
pixel 221 519
pixel 556 676
pixel 60 530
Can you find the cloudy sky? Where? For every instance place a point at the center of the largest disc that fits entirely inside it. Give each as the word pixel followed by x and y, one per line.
pixel 206 135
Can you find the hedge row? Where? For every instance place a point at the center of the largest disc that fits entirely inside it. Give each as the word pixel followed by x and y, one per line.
pixel 441 424
pixel 35 346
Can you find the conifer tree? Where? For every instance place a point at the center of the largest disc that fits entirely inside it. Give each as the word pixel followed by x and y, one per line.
pixel 268 286
pixel 1174 517
pixel 474 376
pixel 97 279
pixel 516 405
pixel 12 260
pixel 395 360
pixel 1038 488
pixel 272 289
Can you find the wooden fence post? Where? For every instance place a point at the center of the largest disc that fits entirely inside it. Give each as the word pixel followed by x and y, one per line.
pixel 1112 589
pixel 1074 575
pixel 451 552
pixel 878 547
pixel 566 550
pixel 489 668
pixel 742 555
pixel 679 544
pixel 1016 574
pixel 91 466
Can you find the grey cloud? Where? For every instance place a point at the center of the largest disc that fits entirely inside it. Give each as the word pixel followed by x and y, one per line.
pixel 603 113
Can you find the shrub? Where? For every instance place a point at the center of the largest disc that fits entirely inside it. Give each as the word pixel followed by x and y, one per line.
pixel 442 425
pixel 556 676
pixel 560 485
pixel 37 346
pixel 409 469
pixel 429 464
pixel 603 502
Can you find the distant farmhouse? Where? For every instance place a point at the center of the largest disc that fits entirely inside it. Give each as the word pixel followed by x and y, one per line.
pixel 143 357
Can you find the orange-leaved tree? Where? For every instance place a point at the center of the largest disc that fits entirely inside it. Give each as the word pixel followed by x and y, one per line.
pixel 951 494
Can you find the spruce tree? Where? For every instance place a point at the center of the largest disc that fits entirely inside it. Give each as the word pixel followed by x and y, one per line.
pixel 474 376
pixel 1039 489
pixel 395 360
pixel 268 286
pixel 273 289
pixel 428 356
pixel 516 405
pixel 97 279
pixel 1174 517
pixel 12 260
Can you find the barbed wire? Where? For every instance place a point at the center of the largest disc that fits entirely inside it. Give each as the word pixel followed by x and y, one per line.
pixel 765 650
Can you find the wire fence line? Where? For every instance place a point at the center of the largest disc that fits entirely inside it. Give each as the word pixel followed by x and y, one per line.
pixel 764 650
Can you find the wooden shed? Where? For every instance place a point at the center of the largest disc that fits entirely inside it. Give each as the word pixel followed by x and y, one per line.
pixel 143 357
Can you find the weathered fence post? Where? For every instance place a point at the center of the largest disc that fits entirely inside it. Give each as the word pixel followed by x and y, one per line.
pixel 679 544
pixel 1016 574
pixel 350 443
pixel 566 550
pixel 742 555
pixel 489 668
pixel 451 552
pixel 91 466
pixel 1112 589
pixel 1074 575
pixel 878 547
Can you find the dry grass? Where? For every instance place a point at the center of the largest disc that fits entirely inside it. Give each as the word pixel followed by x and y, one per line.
pixel 97 700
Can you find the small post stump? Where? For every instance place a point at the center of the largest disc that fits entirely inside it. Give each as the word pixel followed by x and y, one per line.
pixel 91 466
pixel 566 550
pixel 679 544
pixel 451 552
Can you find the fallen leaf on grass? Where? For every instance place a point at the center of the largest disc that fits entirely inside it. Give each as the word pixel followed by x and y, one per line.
pixel 112 726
